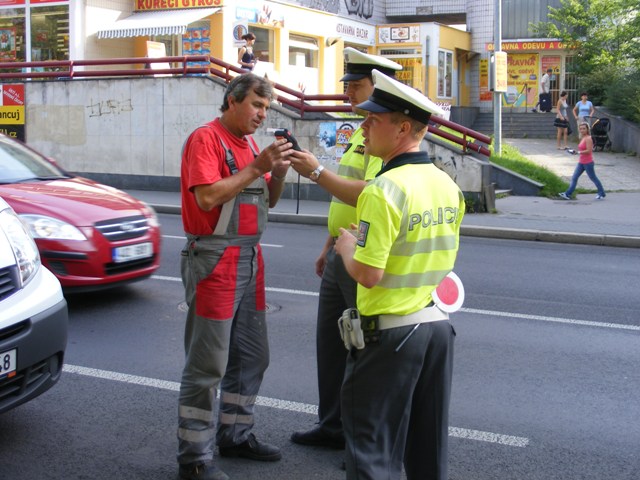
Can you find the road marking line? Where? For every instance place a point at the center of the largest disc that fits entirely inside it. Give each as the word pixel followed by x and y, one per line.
pixel 294 292
pixel 541 318
pixel 490 437
pixel 298 407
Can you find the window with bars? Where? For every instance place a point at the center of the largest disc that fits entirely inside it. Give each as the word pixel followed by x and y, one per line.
pixel 571 84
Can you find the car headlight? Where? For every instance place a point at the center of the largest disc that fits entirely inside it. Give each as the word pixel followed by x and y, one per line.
pixel 24 248
pixel 51 228
pixel 150 213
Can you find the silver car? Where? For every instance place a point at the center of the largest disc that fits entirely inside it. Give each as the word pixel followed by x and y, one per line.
pixel 33 316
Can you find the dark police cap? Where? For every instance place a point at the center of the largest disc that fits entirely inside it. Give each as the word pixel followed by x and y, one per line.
pixel 389 95
pixel 360 65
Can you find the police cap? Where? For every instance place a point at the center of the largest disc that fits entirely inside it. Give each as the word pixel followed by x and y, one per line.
pixel 389 95
pixel 360 65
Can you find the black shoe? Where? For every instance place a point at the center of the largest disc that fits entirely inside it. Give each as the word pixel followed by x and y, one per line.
pixel 317 438
pixel 252 449
pixel 201 471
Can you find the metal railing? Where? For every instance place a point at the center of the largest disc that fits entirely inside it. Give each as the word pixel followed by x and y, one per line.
pixel 193 65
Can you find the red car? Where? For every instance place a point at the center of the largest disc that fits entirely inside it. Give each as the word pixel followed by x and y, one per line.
pixel 89 235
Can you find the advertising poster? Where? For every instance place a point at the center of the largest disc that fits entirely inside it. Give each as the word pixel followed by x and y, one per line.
pixel 197 41
pixel 12 110
pixel 327 135
pixel 554 64
pixel 343 136
pixel 7 44
pixel 485 94
pixel 240 28
pixel 522 90
pixel 157 50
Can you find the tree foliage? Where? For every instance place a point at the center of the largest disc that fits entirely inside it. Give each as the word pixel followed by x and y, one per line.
pixel 602 33
pixel 604 36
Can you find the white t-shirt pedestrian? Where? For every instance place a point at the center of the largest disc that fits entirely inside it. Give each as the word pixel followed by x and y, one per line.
pixel 545 83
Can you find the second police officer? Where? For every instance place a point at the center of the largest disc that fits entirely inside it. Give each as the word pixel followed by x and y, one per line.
pixel 338 289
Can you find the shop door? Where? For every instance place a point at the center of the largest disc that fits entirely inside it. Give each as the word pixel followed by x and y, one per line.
pixel 554 63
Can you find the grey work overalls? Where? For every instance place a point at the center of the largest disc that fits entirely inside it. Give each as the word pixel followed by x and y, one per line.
pixel 226 332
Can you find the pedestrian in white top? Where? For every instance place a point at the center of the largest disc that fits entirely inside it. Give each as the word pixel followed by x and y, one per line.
pixel 545 88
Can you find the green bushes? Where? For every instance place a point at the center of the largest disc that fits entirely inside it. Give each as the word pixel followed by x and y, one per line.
pixel 623 96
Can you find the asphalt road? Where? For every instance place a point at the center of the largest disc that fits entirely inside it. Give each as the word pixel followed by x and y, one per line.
pixel 546 381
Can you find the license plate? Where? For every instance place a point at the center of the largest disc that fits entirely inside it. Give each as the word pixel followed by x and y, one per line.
pixel 8 363
pixel 132 252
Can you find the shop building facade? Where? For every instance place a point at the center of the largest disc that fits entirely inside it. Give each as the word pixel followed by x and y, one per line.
pixel 528 56
pixel 444 47
pixel 35 30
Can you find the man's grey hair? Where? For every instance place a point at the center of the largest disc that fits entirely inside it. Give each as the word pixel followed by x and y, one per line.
pixel 242 85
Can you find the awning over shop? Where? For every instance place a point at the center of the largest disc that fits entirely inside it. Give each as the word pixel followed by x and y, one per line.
pixel 166 22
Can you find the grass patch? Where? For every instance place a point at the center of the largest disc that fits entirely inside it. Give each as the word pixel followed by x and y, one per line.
pixel 512 159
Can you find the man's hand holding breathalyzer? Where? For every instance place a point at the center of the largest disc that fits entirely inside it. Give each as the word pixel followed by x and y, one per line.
pixel 275 159
pixel 304 162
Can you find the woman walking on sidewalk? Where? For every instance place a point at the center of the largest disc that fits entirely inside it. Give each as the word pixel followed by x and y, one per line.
pixel 585 163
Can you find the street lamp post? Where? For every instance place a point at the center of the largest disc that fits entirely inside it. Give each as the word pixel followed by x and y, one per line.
pixel 497 95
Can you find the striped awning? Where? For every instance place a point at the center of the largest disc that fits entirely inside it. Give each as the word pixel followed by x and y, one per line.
pixel 165 22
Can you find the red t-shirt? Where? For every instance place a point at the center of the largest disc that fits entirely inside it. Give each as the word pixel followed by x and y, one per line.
pixel 584 158
pixel 203 163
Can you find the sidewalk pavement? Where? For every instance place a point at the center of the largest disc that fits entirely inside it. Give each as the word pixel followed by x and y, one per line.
pixel 614 221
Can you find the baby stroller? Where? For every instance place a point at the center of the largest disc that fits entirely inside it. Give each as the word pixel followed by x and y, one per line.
pixel 600 133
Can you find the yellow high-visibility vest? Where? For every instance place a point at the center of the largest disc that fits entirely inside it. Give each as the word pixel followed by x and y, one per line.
pixel 357 166
pixel 409 225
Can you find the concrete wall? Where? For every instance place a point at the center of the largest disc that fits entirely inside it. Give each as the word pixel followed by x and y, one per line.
pixel 128 132
pixel 624 135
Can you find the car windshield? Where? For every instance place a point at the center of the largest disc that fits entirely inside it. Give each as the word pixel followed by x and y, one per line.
pixel 19 164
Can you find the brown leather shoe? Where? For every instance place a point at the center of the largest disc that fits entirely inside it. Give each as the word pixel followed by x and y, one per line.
pixel 253 449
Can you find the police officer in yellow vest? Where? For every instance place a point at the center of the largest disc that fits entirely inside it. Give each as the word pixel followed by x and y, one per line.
pixel 338 289
pixel 396 391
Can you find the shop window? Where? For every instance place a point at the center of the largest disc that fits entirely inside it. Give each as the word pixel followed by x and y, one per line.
pixel 303 51
pixel 170 42
pixel 411 61
pixel 50 33
pixel 264 47
pixel 445 73
pixel 12 40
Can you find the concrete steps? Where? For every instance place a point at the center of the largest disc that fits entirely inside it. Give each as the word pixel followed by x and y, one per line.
pixel 518 125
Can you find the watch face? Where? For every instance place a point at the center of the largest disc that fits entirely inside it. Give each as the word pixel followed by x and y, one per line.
pixel 316 173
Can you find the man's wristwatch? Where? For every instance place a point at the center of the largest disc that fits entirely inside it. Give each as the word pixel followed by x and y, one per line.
pixel 315 175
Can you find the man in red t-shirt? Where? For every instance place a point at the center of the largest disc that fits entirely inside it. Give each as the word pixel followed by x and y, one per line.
pixel 227 188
